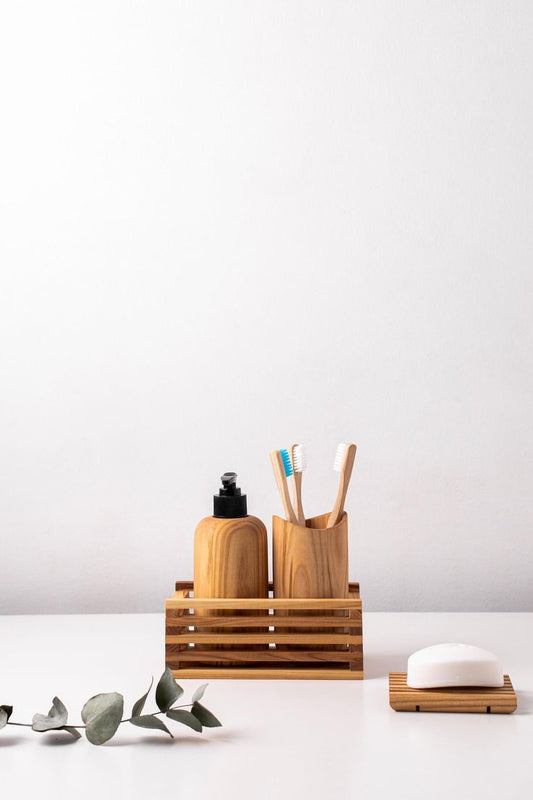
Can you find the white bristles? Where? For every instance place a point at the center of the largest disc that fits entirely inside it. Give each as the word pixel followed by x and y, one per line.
pixel 339 456
pixel 299 460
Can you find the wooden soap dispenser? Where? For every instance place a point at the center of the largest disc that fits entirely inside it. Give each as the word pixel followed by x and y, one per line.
pixel 230 552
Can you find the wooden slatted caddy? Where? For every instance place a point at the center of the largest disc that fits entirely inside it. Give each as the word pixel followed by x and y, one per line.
pixel 303 629
pixel 463 699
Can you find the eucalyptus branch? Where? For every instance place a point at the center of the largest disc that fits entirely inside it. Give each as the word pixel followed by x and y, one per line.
pixel 20 724
pixel 153 714
pixel 102 714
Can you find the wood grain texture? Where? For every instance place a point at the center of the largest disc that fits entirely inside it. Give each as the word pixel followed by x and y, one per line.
pixel 325 603
pixel 310 561
pixel 243 622
pixel 308 645
pixel 462 699
pixel 267 655
pixel 268 637
pixel 231 558
pixel 297 490
pixel 283 673
pixel 230 561
pixel 179 626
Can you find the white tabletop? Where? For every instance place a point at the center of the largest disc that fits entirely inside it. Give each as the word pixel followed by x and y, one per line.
pixel 285 739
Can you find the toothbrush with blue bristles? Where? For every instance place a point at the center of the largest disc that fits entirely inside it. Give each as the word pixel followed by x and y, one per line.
pixel 282 467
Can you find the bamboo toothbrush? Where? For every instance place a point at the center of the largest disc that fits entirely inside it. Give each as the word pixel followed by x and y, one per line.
pixel 344 459
pixel 282 467
pixel 299 464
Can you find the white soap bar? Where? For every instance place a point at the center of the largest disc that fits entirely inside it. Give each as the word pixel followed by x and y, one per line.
pixel 453 665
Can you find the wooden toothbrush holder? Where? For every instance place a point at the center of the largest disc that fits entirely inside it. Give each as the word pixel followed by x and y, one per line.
pixel 310 561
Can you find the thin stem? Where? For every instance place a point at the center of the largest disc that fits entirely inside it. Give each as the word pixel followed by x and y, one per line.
pixel 82 727
pixel 155 713
pixel 29 725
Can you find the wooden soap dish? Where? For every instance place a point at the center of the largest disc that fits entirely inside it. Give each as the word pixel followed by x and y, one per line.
pixel 460 699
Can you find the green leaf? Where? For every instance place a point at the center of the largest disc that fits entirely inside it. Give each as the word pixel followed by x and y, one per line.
pixel 199 693
pixel 148 721
pixel 186 718
pixel 167 690
pixel 202 714
pixel 56 718
pixel 73 731
pixel 139 705
pixel 102 715
pixel 5 713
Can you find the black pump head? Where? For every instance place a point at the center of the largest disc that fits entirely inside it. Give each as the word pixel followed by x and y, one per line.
pixel 229 482
pixel 229 503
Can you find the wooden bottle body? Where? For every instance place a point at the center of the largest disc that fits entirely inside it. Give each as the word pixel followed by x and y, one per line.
pixel 230 560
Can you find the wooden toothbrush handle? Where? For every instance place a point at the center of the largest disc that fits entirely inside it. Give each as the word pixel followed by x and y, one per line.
pixel 297 491
pixel 344 482
pixel 281 480
pixel 297 484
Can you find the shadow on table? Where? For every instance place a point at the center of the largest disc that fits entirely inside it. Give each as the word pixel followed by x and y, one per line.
pixel 10 741
pixel 178 740
pixel 379 666
pixel 57 740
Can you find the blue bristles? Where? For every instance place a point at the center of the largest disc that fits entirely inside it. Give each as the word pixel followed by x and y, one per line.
pixel 286 462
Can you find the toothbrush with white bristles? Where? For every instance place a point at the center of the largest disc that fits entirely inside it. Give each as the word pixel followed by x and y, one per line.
pixel 344 458
pixel 282 467
pixel 299 464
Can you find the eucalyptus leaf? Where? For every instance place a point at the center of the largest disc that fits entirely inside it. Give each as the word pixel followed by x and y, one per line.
pixel 199 693
pixel 102 715
pixel 56 718
pixel 139 705
pixel 167 690
pixel 186 718
pixel 73 731
pixel 5 713
pixel 202 714
pixel 149 721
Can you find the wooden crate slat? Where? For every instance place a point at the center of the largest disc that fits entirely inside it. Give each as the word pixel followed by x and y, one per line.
pixel 227 663
pixel 264 603
pixel 191 654
pixel 172 630
pixel 353 586
pixel 270 637
pixel 270 619
pixel 270 673
pixel 465 699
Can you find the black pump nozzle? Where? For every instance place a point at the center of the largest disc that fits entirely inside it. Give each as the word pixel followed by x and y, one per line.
pixel 229 503
pixel 229 482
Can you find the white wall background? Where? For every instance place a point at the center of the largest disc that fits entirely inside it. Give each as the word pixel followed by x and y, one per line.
pixel 229 225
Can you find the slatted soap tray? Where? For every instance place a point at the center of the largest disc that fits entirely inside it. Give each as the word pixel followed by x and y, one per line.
pixel 269 638
pixel 459 699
